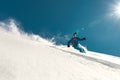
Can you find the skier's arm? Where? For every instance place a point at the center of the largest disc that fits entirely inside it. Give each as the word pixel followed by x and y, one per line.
pixel 68 45
pixel 81 39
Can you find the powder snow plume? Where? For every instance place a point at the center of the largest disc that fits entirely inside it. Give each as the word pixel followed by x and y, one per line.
pixel 12 27
pixel 26 56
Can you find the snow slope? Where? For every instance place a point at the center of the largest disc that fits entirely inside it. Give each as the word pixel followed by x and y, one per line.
pixel 24 57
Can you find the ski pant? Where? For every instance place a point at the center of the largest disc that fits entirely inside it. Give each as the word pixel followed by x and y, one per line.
pixel 79 48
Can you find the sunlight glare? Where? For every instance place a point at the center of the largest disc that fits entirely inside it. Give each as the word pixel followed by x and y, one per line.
pixel 117 10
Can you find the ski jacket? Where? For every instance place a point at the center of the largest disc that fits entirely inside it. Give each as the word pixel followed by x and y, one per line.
pixel 74 41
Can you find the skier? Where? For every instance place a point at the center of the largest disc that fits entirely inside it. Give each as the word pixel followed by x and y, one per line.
pixel 74 41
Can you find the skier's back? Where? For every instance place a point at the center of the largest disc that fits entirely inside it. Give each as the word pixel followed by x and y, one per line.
pixel 74 41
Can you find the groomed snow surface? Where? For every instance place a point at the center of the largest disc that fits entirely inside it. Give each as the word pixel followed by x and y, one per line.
pixel 29 57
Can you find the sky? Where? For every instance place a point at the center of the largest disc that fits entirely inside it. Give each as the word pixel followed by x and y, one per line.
pixel 97 20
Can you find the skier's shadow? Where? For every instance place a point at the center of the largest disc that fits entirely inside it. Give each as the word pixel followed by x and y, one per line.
pixel 104 62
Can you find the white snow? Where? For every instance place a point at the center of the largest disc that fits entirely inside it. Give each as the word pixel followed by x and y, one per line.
pixel 29 57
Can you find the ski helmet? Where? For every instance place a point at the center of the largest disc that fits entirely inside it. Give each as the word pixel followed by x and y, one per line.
pixel 74 34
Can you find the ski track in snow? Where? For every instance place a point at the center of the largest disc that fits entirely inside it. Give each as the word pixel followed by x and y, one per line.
pixel 104 62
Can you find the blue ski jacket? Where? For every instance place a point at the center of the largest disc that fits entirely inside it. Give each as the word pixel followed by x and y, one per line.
pixel 74 41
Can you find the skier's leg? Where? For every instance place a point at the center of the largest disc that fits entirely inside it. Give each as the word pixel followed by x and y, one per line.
pixel 80 49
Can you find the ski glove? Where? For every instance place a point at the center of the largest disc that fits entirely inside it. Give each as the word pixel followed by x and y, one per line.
pixel 68 45
pixel 84 38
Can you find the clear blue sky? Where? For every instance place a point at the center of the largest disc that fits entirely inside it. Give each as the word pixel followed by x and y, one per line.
pixel 90 18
